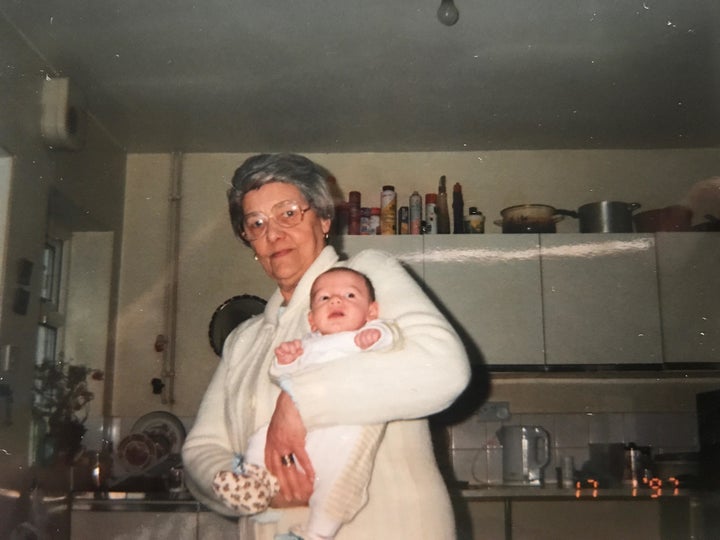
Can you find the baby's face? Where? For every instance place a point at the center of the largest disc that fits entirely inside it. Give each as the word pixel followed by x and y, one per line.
pixel 340 302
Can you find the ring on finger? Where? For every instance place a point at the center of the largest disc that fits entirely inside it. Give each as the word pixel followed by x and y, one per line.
pixel 287 460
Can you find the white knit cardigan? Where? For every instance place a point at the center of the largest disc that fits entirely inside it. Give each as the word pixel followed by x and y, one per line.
pixel 407 497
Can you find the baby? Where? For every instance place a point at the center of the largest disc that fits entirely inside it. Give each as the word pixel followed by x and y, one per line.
pixel 343 319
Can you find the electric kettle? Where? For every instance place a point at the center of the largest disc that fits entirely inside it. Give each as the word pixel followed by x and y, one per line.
pixel 526 451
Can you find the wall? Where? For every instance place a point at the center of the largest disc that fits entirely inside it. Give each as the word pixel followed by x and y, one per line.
pixel 214 266
pixel 656 410
pixel 89 185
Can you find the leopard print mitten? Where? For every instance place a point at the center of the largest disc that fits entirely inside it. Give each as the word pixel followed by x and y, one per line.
pixel 249 492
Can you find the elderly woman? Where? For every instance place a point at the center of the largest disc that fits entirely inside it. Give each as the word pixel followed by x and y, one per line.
pixel 281 207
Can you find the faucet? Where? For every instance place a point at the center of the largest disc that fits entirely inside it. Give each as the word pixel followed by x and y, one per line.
pixel 7 393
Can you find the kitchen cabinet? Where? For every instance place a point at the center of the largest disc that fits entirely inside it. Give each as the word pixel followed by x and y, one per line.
pixel 212 526
pixel 407 248
pixel 480 520
pixel 570 299
pixel 539 517
pixel 600 299
pixel 489 286
pixel 589 520
pixel 136 525
pixel 689 291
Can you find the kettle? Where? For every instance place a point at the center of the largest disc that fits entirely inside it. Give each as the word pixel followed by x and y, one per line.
pixel 526 451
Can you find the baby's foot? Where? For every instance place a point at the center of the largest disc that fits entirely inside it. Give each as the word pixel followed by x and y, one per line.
pixel 249 492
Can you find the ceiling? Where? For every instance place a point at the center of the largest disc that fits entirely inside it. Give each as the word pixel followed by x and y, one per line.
pixel 385 75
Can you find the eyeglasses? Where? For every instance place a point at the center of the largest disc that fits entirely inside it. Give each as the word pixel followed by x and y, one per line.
pixel 287 214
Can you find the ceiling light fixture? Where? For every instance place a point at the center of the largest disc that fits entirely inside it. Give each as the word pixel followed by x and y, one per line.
pixel 447 13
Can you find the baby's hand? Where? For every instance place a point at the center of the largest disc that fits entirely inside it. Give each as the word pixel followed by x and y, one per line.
pixel 367 338
pixel 288 351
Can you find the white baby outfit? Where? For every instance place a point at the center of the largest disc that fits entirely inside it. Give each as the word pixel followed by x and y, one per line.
pixel 342 455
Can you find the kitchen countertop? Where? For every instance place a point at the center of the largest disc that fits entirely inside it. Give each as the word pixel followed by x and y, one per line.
pixel 126 501
pixel 520 493
pixel 184 502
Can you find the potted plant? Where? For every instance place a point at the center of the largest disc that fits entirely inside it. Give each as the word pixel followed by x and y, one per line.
pixel 60 406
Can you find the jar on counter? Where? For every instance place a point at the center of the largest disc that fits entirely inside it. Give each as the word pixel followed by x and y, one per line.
pixel 430 216
pixel 365 221
pixel 415 213
pixel 474 221
pixel 388 210
pixel 403 220
pixel 354 212
pixel 374 227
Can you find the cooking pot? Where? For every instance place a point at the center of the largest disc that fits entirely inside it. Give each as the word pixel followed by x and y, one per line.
pixel 607 217
pixel 712 224
pixel 669 219
pixel 531 218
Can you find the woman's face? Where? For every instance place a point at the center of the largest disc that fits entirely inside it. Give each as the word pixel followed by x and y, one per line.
pixel 285 253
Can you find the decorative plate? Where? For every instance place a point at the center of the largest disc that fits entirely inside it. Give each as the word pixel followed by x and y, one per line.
pixel 165 430
pixel 137 452
pixel 229 315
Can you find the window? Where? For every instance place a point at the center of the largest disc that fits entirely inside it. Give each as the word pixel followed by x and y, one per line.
pixel 51 318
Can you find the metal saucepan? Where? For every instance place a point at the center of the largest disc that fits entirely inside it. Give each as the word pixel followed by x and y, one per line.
pixel 607 217
pixel 531 218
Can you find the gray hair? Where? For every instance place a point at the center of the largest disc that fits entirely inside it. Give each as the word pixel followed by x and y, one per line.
pixel 307 176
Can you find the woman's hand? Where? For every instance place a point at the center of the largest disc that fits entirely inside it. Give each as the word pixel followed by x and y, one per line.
pixel 286 436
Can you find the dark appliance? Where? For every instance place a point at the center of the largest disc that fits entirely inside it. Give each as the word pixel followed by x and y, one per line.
pixel 708 417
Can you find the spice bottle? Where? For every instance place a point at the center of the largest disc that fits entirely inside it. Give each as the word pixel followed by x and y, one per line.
pixel 354 212
pixel 415 217
pixel 430 214
pixel 365 220
pixel 403 220
pixel 458 206
pixel 388 210
pixel 374 220
pixel 442 212
pixel 340 223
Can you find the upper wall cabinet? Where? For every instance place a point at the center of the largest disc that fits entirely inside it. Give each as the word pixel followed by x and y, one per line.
pixel 489 286
pixel 689 265
pixel 600 299
pixel 571 299
pixel 409 249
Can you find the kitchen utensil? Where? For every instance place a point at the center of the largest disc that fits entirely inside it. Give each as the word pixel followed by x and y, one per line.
pixel 674 218
pixel 526 451
pixel 607 217
pixel 531 218
pixel 567 472
pixel 638 465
